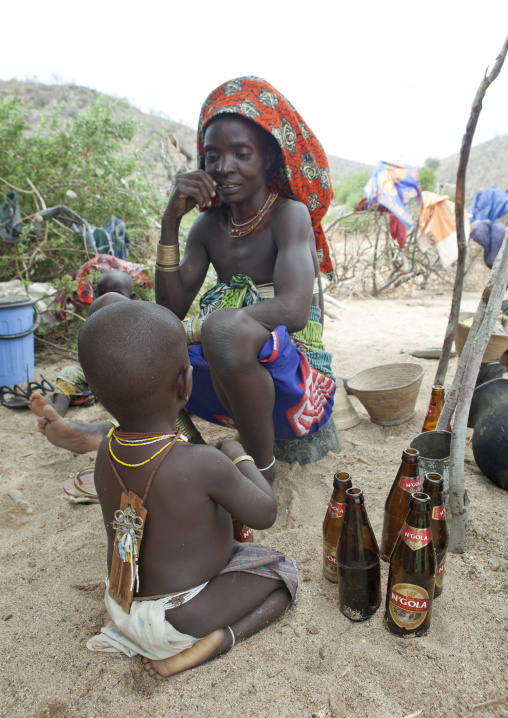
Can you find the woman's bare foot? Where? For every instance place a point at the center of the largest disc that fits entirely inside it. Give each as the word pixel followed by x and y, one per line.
pixel 270 474
pixel 217 642
pixel 37 404
pixel 69 435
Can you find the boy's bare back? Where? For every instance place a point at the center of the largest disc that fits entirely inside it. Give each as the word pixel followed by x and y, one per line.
pixel 188 536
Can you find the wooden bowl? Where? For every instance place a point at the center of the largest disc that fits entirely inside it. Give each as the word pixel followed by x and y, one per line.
pixel 388 392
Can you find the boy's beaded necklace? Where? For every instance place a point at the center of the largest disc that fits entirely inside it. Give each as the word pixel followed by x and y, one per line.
pixel 129 519
pixel 138 439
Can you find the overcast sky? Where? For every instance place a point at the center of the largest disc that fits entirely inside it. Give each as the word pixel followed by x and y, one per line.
pixel 375 81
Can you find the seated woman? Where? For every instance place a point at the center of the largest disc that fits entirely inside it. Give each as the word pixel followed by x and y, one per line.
pixel 263 185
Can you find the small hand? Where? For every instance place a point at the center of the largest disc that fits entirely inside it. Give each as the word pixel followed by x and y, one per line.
pixel 232 449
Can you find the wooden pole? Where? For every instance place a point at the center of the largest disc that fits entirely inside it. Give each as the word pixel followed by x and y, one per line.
pixel 459 213
pixel 462 389
pixel 463 386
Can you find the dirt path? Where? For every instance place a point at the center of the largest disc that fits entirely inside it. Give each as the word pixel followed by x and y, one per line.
pixel 313 662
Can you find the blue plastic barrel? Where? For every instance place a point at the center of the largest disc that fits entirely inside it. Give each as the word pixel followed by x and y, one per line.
pixel 18 321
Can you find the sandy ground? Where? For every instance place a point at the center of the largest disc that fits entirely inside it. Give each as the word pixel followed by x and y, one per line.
pixel 314 661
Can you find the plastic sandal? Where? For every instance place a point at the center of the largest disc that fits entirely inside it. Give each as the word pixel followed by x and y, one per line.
pixel 80 489
pixel 44 386
pixel 13 397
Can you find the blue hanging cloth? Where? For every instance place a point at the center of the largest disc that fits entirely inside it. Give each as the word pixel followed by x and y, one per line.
pixel 393 186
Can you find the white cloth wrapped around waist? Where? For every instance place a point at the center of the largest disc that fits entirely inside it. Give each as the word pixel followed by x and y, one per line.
pixel 145 629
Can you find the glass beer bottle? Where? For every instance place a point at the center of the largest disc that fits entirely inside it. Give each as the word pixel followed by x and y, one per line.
pixel 358 570
pixel 437 399
pixel 433 486
pixel 333 523
pixel 397 503
pixel 412 575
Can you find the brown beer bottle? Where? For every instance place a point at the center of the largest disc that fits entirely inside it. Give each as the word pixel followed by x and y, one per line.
pixel 397 503
pixel 433 486
pixel 437 399
pixel 333 523
pixel 412 575
pixel 358 571
pixel 241 532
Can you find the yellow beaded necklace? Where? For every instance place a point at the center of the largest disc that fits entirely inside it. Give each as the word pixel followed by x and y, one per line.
pixel 138 440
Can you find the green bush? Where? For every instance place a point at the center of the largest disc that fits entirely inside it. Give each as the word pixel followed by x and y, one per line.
pixel 90 155
pixel 427 179
pixel 349 190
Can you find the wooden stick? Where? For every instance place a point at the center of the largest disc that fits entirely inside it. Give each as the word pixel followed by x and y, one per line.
pixel 17 189
pixel 73 354
pixel 462 392
pixel 36 192
pixel 463 385
pixel 459 214
pixel 334 301
pixel 492 702
pixel 339 219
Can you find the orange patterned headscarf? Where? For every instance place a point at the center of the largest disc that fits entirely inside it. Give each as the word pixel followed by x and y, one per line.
pixel 301 172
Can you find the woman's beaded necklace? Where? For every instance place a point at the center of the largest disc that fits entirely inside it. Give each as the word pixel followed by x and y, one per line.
pixel 240 229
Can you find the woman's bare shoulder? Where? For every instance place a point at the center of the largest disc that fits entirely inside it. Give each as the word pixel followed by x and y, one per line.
pixel 286 208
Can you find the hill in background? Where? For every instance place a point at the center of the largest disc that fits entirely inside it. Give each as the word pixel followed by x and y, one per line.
pixel 488 162
pixel 75 99
pixel 488 165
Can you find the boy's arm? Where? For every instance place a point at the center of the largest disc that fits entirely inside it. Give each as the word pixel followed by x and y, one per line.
pixel 294 271
pixel 242 489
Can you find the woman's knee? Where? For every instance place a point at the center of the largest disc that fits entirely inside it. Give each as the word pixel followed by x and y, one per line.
pixel 231 338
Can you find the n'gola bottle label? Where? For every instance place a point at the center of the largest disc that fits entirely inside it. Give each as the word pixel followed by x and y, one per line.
pixel 410 483
pixel 415 538
pixel 329 561
pixel 438 512
pixel 336 510
pixel 409 605
pixel 440 572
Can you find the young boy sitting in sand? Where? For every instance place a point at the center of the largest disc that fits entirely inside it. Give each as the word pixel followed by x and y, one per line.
pixel 198 590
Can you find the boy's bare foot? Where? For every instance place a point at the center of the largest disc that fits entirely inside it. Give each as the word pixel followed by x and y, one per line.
pixel 208 647
pixel 69 435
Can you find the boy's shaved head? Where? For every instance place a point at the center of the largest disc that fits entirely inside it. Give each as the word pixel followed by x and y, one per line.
pixel 104 300
pixel 132 354
pixel 115 281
